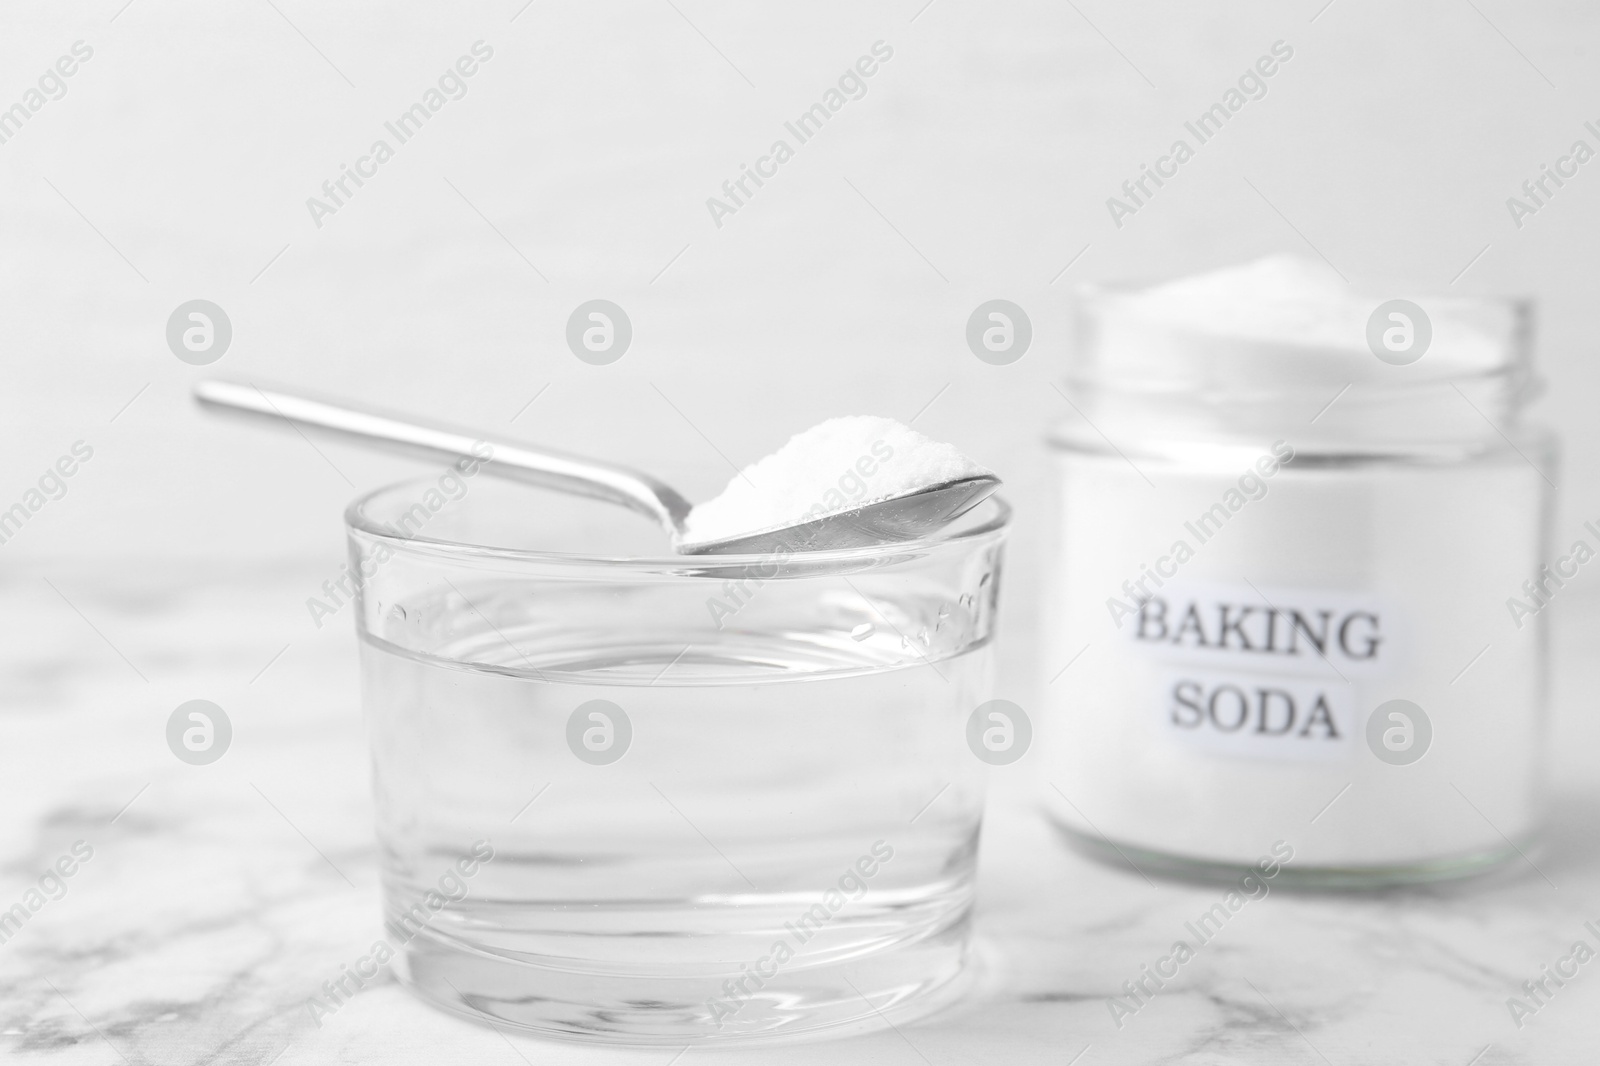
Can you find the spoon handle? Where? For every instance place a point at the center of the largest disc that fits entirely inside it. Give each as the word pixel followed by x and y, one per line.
pixel 401 433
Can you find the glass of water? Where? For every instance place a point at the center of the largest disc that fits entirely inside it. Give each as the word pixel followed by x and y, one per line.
pixel 674 799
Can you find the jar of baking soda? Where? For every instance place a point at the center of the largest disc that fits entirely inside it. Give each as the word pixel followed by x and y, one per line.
pixel 1297 601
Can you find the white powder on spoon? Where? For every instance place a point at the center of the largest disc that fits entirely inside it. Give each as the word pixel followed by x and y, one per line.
pixel 834 467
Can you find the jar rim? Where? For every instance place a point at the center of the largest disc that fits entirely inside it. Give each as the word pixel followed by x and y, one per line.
pixel 1519 377
pixel 1149 350
pixel 1523 305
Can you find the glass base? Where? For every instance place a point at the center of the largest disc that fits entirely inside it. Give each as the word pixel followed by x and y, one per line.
pixel 551 998
pixel 1290 875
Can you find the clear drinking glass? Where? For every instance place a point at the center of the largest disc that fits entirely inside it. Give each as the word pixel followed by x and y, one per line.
pixel 661 800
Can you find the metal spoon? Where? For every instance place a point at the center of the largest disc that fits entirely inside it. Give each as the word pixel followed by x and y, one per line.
pixel 898 518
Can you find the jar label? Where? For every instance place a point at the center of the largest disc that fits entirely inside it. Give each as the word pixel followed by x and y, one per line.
pixel 1262 673
pixel 1272 631
pixel 1256 716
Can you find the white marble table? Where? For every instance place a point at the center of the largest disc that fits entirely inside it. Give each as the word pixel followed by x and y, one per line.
pixel 216 897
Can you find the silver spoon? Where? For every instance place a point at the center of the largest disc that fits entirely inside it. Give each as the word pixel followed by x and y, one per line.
pixel 898 518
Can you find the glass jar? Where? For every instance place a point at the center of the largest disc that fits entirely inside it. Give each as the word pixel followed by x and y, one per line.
pixel 669 799
pixel 1285 537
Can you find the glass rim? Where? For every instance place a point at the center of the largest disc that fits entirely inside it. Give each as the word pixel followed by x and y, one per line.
pixel 995 526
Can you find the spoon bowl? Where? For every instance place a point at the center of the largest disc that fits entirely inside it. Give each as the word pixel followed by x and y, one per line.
pixel 897 518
